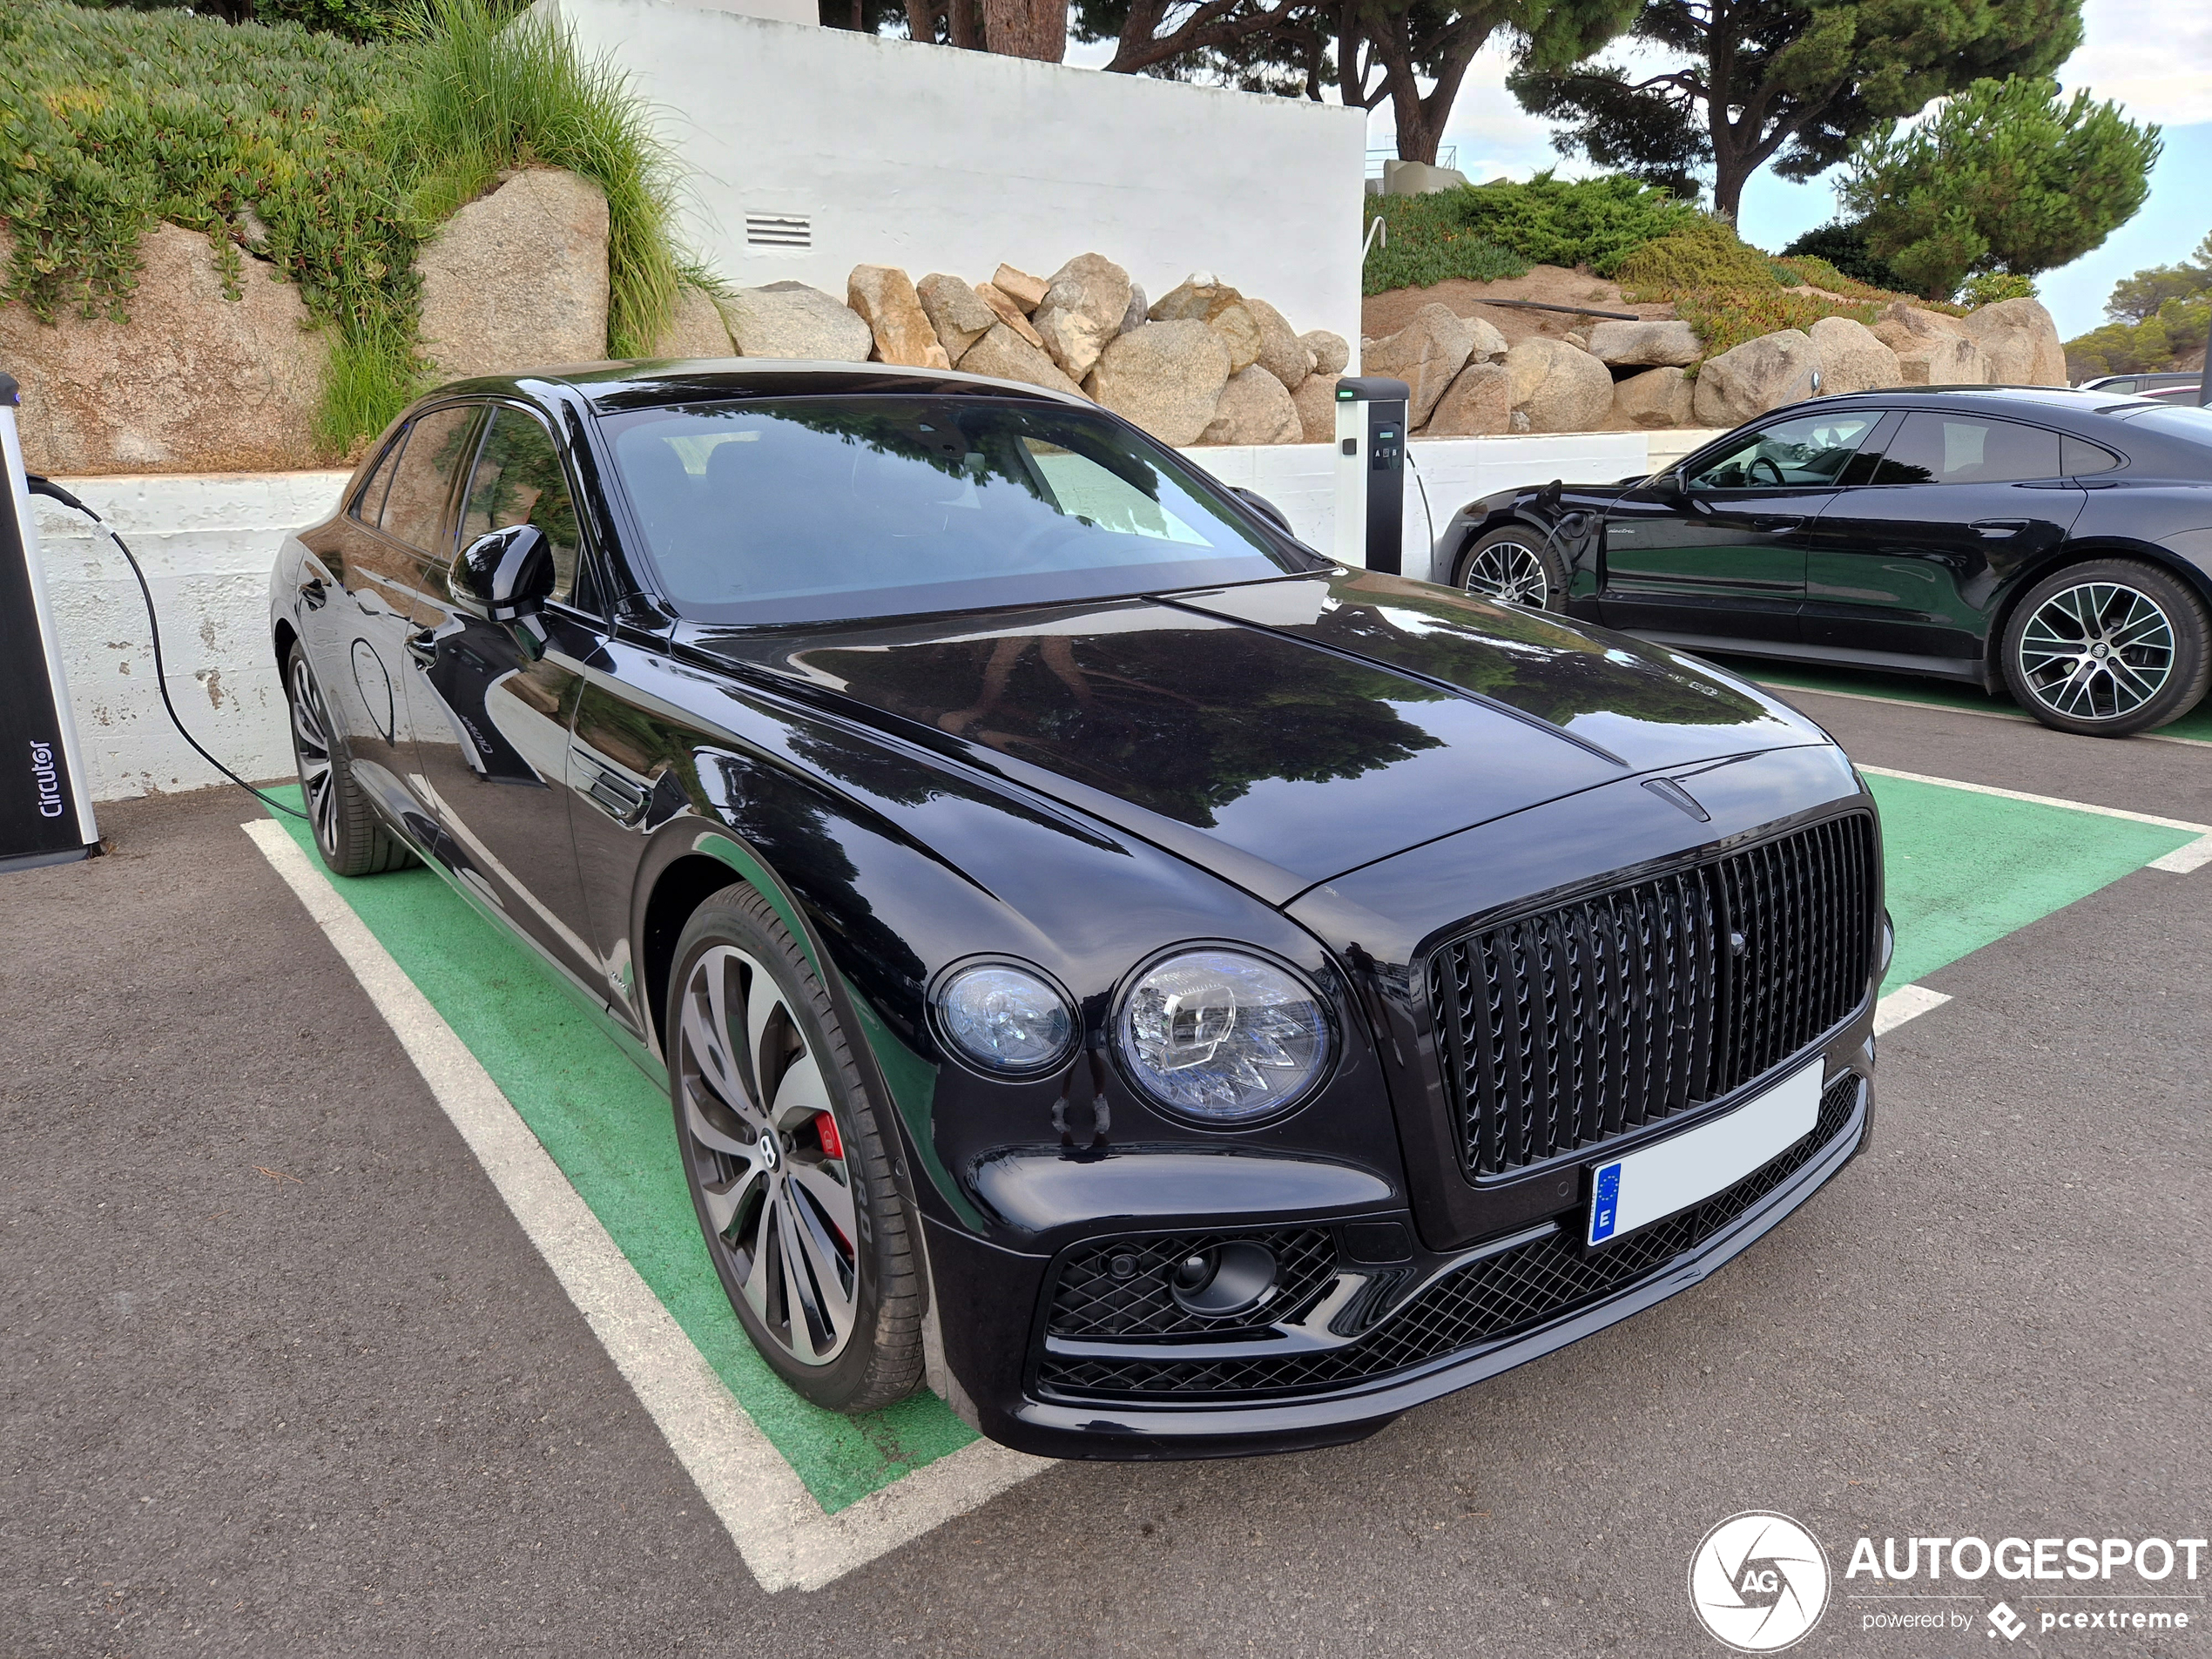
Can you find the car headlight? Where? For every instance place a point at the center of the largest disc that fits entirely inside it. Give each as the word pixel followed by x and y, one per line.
pixel 1221 1036
pixel 1005 1019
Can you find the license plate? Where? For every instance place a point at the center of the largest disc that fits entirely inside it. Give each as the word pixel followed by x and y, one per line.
pixel 1655 1182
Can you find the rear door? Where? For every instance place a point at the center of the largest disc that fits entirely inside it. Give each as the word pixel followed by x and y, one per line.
pixel 1724 555
pixel 498 699
pixel 1909 563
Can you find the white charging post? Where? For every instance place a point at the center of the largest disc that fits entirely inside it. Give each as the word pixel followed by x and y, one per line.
pixel 45 811
pixel 1370 472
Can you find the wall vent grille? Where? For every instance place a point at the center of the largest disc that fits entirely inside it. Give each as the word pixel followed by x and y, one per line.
pixel 778 230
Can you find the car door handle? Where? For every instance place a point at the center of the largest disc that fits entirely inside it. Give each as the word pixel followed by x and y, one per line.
pixel 424 647
pixel 1777 521
pixel 1996 529
pixel 314 594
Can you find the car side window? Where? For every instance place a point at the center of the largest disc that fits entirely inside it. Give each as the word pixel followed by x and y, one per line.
pixel 1937 448
pixel 2078 457
pixel 368 506
pixel 414 512
pixel 1809 452
pixel 518 481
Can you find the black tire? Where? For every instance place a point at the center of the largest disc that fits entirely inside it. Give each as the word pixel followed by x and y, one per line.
pixel 2108 648
pixel 799 1238
pixel 351 838
pixel 1516 566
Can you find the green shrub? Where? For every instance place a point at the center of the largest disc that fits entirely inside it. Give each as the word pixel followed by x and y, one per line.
pixel 112 120
pixel 116 120
pixel 1426 240
pixel 1705 253
pixel 1842 249
pixel 1991 288
pixel 1727 317
pixel 1594 222
pixel 1484 233
pixel 356 19
pixel 1801 270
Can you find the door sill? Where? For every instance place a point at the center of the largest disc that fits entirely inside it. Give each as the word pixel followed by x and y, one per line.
pixel 1941 667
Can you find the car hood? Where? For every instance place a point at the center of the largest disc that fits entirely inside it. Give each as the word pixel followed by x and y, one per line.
pixel 1281 733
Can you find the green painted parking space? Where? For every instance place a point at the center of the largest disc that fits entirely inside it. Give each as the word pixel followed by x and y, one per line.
pixel 611 1132
pixel 1904 688
pixel 1963 870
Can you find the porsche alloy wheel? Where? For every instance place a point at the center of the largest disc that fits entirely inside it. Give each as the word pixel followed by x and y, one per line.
pixel 786 1167
pixel 2109 648
pixel 1509 567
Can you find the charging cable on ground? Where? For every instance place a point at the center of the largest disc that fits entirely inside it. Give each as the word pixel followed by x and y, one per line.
pixel 53 491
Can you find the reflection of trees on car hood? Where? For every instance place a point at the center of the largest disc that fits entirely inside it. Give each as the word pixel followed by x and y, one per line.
pixel 1542 664
pixel 1182 718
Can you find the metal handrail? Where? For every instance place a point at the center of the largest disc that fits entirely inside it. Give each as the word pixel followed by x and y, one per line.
pixel 1447 156
pixel 1376 227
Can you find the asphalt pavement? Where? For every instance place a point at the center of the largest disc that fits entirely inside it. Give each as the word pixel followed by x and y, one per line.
pixel 282 1375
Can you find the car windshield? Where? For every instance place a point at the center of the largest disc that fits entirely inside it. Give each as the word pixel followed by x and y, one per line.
pixel 809 509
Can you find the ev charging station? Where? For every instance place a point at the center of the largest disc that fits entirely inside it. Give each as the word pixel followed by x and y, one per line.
pixel 1370 472
pixel 45 811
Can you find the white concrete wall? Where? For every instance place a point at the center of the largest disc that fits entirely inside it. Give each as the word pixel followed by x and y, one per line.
pixel 1668 448
pixel 1446 474
pixel 935 160
pixel 208 542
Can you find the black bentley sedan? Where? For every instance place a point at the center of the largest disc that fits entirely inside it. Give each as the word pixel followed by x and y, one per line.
pixel 1177 994
pixel 2053 543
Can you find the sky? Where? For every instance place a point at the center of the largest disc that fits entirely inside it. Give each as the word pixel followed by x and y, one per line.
pixel 2154 56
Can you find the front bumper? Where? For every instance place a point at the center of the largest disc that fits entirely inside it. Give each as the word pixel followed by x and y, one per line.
pixel 1518 1298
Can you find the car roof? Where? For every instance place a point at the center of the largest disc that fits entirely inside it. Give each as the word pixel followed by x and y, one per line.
pixel 2021 399
pixel 612 387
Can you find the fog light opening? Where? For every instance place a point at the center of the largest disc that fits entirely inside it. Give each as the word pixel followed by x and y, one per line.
pixel 1225 1279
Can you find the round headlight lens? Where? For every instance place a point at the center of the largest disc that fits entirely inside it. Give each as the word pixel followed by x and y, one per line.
pixel 1005 1020
pixel 1222 1036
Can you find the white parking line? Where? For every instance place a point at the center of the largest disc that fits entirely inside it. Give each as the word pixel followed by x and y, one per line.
pixel 2180 861
pixel 780 1529
pixel 2014 715
pixel 1906 1003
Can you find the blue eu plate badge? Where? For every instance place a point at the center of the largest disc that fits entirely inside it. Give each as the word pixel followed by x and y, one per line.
pixel 1605 1202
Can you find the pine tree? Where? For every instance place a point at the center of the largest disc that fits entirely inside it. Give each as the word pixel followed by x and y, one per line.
pixel 1793 82
pixel 2004 177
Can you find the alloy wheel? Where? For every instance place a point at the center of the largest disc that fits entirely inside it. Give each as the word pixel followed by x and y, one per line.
pixel 311 748
pixel 1510 573
pixel 768 1156
pixel 2097 651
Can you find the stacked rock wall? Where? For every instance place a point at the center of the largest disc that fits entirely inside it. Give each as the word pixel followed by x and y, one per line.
pixel 1648 375
pixel 1204 364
